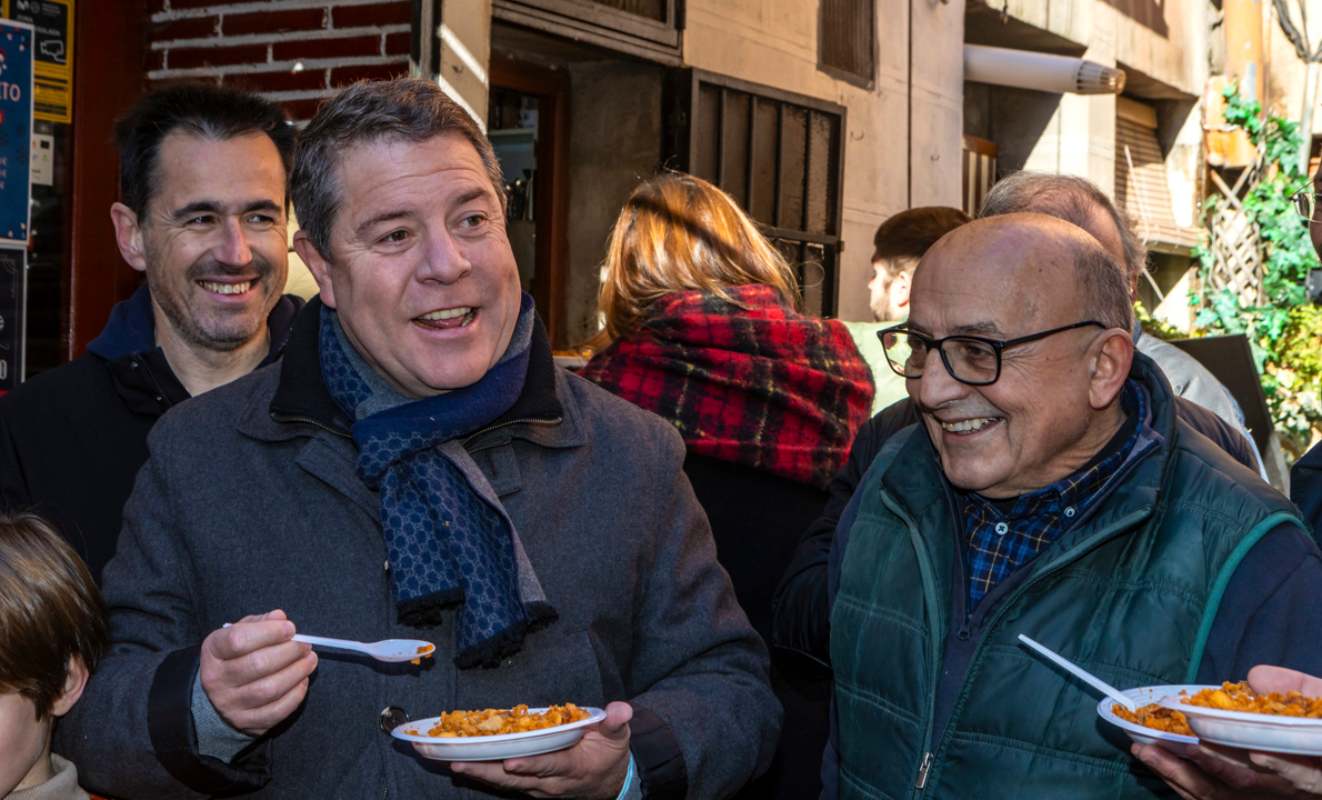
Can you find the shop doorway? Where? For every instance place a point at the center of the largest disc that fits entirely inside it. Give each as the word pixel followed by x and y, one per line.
pixel 527 122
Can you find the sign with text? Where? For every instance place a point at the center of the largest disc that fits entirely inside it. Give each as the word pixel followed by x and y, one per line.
pixel 52 22
pixel 15 131
pixel 13 308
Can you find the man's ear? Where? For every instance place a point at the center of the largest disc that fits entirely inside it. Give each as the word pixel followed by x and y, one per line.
pixel 900 286
pixel 128 235
pixel 75 680
pixel 1110 357
pixel 318 266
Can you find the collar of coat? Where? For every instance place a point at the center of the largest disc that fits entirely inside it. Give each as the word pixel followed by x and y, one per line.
pixel 131 329
pixel 302 404
pixel 142 376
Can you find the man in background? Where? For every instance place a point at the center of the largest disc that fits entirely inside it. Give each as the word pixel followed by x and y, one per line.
pixel 897 246
pixel 1081 202
pixel 202 174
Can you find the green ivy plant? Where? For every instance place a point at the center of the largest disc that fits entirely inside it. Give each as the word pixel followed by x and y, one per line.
pixel 1283 330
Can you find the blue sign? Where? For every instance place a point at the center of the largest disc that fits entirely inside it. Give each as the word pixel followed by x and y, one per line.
pixel 15 130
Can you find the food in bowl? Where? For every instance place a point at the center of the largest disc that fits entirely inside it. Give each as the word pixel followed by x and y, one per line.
pixel 1156 717
pixel 1239 697
pixel 495 721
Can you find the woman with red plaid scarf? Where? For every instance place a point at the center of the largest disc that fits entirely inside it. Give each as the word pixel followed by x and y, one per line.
pixel 701 328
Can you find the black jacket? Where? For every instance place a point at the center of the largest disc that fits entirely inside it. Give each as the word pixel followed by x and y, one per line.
pixel 72 439
pixel 756 518
pixel 801 609
pixel 1306 488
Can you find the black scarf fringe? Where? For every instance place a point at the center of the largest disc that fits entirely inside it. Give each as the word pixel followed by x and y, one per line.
pixel 429 611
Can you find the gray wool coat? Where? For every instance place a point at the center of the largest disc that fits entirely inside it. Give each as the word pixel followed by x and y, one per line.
pixel 250 501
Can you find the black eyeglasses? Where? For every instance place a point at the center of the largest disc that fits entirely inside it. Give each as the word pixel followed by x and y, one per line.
pixel 973 360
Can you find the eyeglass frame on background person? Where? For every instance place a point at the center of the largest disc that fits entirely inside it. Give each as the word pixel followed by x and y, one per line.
pixel 997 346
pixel 1305 202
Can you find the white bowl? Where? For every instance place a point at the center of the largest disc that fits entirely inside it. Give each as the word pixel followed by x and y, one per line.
pixel 1270 733
pixel 1142 696
pixel 497 747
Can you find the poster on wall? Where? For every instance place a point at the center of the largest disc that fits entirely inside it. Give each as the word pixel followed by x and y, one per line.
pixel 13 309
pixel 15 131
pixel 52 22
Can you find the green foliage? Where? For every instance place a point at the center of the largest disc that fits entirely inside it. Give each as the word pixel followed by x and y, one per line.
pixel 1283 331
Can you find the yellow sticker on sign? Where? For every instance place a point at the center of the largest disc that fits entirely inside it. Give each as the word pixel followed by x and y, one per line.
pixel 53 74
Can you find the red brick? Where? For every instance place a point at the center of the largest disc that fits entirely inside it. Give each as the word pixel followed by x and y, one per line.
pixel 298 19
pixel 194 28
pixel 155 6
pixel 190 57
pixel 155 60
pixel 328 48
pixel 178 4
pixel 343 76
pixel 395 13
pixel 284 81
pixel 398 44
pixel 299 110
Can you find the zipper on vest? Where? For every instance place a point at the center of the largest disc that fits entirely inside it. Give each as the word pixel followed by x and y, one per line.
pixel 927 578
pixel 989 622
pixel 923 770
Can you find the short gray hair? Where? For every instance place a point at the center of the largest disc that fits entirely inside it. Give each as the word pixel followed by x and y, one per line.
pixel 1102 285
pixel 1066 197
pixel 410 109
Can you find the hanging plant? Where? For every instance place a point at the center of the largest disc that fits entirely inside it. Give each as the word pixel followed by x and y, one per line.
pixel 1282 329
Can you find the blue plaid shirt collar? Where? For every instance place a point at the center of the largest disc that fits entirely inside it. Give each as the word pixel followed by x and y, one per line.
pixel 999 542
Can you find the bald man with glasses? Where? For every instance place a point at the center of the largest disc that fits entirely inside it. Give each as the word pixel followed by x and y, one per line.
pixel 1049 489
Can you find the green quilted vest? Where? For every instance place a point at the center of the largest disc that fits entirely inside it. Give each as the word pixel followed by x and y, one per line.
pixel 1130 593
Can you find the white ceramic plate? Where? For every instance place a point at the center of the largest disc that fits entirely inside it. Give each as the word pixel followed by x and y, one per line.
pixel 1142 696
pixel 497 747
pixel 1268 733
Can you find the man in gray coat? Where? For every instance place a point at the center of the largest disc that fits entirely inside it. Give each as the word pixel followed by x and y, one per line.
pixel 417 467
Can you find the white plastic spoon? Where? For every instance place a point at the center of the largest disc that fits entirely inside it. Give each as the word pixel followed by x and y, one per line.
pixel 1081 673
pixel 389 650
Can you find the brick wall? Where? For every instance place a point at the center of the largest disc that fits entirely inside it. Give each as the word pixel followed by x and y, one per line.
pixel 293 51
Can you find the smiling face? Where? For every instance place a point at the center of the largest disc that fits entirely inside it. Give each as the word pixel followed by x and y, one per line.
pixel 1049 412
pixel 420 269
pixel 212 238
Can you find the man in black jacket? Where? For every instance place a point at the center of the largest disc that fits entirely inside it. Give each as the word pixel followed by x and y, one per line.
pixel 203 174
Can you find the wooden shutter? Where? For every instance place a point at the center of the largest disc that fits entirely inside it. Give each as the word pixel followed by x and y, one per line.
pixel 1141 188
pixel 847 39
pixel 780 156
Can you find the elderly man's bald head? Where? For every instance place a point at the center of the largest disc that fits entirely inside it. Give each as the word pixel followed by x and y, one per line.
pixel 1043 260
pixel 1016 350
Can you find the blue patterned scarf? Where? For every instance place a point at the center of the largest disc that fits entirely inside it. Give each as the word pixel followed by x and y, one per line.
pixel 448 537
